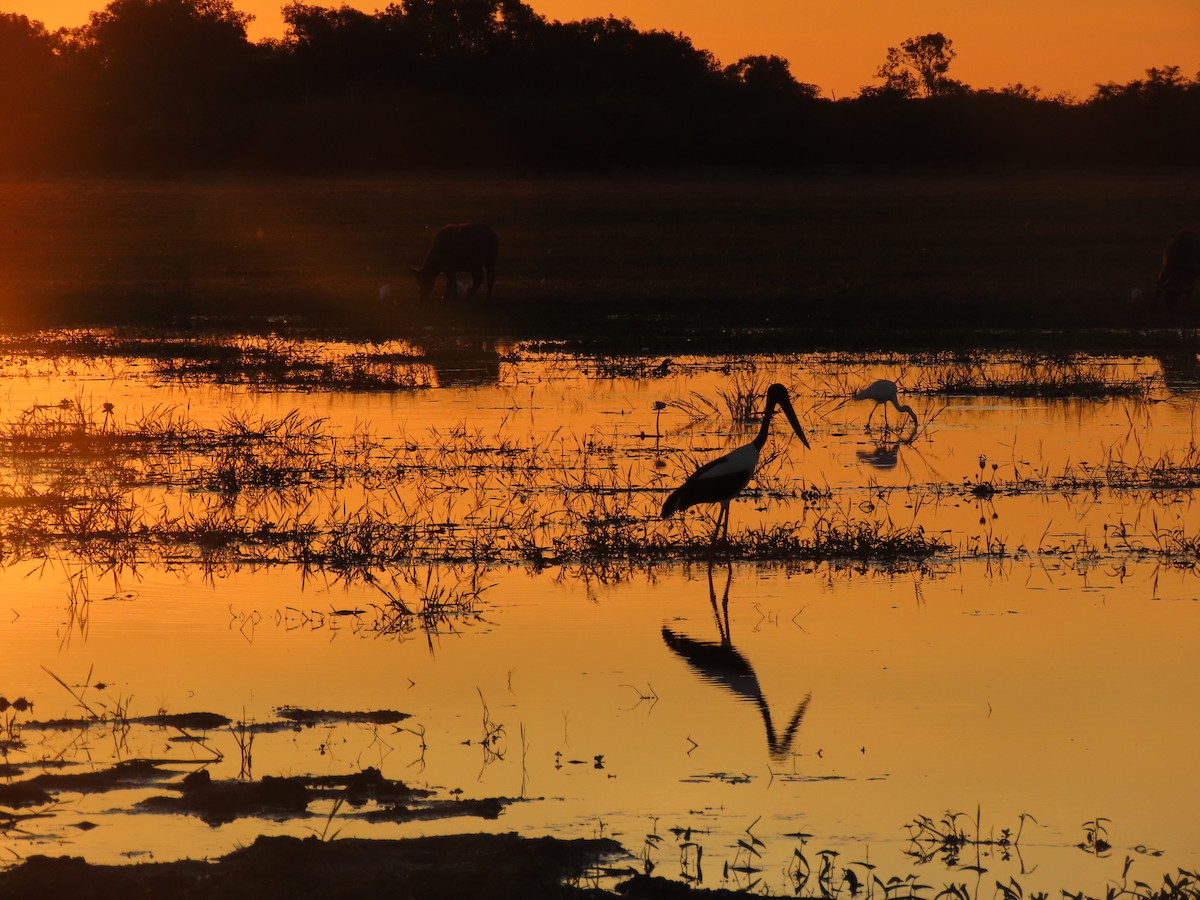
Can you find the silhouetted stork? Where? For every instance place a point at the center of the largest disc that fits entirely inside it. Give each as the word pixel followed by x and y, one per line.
pixel 722 479
pixel 883 391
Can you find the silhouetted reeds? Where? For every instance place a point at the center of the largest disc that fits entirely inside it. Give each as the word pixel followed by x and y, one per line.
pixel 739 401
pixel 97 490
pixel 1033 375
pixel 278 363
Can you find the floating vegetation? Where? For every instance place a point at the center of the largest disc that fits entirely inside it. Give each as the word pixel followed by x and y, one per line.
pixel 962 845
pixel 948 838
pixel 836 542
pixel 631 367
pixel 279 363
pixel 96 489
pixel 93 488
pixel 1030 375
pixel 63 434
pixel 268 361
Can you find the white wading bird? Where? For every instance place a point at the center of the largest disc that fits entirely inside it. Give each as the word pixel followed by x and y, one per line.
pixel 883 391
pixel 722 479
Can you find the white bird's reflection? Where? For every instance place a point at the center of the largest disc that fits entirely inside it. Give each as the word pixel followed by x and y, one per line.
pixel 884 455
pixel 885 451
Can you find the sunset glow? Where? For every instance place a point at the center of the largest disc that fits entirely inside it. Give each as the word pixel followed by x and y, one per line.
pixel 1059 46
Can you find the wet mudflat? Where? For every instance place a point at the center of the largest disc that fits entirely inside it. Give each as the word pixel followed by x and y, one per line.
pixel 326 590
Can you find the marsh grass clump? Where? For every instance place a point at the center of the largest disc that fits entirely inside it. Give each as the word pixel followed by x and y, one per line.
pixel 871 539
pixel 89 487
pixel 613 538
pixel 739 402
pixel 829 529
pixel 269 453
pixel 1032 375
pixel 1173 545
pixel 827 534
pixel 362 541
pixel 93 347
pixel 743 398
pixel 280 363
pixel 218 537
pixel 73 430
pixel 271 360
pixel 843 540
pixel 261 490
pixel 1131 474
pixel 95 492
pixel 63 435
pixel 424 603
pixel 261 361
pixel 948 838
pixel 1176 543
pixel 1169 473
pixel 613 367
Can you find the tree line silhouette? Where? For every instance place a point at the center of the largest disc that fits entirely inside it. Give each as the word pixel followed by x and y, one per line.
pixel 175 86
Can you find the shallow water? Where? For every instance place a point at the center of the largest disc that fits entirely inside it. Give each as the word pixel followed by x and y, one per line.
pixel 1042 664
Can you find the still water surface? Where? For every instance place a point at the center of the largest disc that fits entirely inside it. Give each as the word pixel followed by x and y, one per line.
pixel 1042 665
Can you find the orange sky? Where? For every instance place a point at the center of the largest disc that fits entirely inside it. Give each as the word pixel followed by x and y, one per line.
pixel 1058 45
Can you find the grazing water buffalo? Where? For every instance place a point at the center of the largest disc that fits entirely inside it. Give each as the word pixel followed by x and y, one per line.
pixel 469 247
pixel 1180 268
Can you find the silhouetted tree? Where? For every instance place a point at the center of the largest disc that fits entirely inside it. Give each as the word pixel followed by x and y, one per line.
pixel 769 76
pixel 1153 118
pixel 917 68
pixel 174 85
pixel 338 49
pixel 165 75
pixel 1167 83
pixel 144 48
pixel 29 59
pixel 451 33
pixel 26 47
pixel 32 94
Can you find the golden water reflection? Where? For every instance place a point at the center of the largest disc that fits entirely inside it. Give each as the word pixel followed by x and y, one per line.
pixel 1044 664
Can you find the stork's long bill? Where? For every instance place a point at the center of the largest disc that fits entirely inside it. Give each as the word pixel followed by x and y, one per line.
pixel 780 398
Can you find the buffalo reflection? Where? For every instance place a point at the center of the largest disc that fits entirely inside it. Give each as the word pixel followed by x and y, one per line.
pixel 462 363
pixel 720 663
pixel 1180 371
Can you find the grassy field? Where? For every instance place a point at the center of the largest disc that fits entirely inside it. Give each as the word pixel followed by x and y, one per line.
pixel 839 258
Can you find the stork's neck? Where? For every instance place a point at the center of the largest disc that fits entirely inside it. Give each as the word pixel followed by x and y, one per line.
pixel 764 429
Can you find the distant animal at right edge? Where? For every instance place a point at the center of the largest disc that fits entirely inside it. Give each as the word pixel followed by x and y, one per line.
pixel 1180 268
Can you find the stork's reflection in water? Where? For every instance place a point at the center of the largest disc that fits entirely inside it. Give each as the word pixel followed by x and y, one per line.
pixel 719 662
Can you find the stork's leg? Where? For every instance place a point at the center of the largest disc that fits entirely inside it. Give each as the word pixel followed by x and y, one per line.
pixel 716 536
pixel 726 533
pixel 722 521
